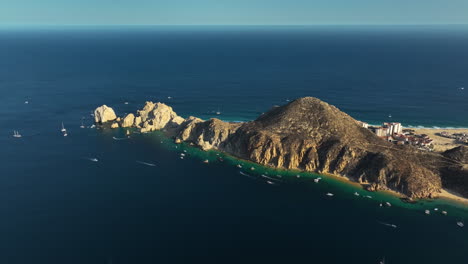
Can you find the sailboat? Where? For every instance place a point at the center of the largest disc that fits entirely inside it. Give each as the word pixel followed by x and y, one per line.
pixel 63 128
pixel 16 134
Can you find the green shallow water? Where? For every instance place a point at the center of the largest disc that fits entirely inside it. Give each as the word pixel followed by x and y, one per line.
pixel 328 183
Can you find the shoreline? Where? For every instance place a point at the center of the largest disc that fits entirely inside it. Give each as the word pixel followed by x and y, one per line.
pixel 444 195
pixel 453 196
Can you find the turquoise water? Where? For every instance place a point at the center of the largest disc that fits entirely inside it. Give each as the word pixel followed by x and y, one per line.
pixel 57 206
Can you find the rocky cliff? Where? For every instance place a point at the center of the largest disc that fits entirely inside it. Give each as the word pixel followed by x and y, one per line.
pixel 311 135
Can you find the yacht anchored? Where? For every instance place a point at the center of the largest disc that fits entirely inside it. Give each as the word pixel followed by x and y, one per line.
pixel 63 128
pixel 460 224
pixel 330 194
pixel 427 212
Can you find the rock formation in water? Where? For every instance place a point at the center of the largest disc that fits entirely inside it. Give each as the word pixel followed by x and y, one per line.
pixel 129 120
pixel 104 114
pixel 311 135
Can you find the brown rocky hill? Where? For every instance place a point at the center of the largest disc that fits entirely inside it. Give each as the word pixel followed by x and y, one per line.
pixel 311 135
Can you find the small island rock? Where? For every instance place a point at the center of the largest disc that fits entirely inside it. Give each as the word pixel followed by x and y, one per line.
pixel 104 114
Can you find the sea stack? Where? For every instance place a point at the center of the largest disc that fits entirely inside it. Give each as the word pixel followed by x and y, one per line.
pixel 104 114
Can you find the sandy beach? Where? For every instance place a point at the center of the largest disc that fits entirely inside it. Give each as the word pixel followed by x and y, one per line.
pixel 453 196
pixel 441 143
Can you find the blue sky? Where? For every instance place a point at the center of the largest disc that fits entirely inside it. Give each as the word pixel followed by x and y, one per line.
pixel 232 12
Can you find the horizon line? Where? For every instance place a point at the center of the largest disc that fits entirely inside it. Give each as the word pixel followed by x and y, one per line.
pixel 195 25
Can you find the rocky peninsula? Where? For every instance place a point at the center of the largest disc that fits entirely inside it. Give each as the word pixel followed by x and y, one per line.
pixel 311 135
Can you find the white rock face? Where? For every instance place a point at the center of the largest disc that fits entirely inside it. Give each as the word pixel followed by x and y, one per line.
pixel 156 116
pixel 128 120
pixel 104 114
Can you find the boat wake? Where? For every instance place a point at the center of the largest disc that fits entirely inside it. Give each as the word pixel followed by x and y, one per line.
pixel 247 175
pixel 387 224
pixel 271 179
pixel 146 163
pixel 115 138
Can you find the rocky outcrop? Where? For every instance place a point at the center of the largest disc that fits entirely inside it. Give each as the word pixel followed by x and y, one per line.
pixel 129 120
pixel 207 135
pixel 104 114
pixel 311 135
pixel 156 116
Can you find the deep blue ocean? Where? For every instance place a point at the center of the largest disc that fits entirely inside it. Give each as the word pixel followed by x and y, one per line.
pixel 57 206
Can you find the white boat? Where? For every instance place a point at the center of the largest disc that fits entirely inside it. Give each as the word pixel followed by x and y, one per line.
pixel 382 261
pixel 92 126
pixel 330 194
pixel 460 224
pixel 126 103
pixel 427 212
pixel 26 102
pixel 182 154
pixel 316 180
pixel 239 166
pixel 388 204
pixel 298 176
pixel 368 196
pixel 63 128
pixel 444 212
pixel 436 209
pixel 93 159
pixel 82 125
pixel 65 134
pixel 16 134
pixel 356 194
pixel 270 182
